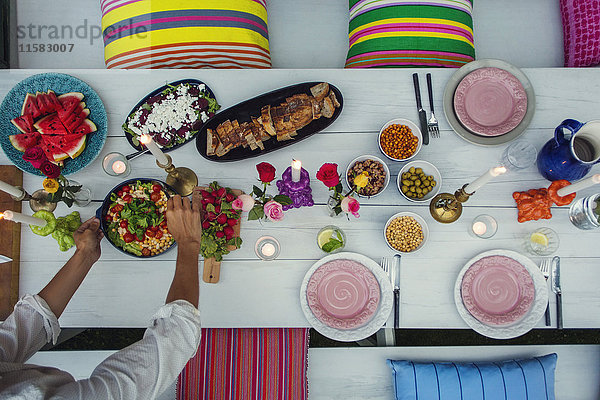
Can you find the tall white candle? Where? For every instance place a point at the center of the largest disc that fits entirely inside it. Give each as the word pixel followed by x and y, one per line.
pixel 296 168
pixel 483 179
pixel 10 189
pixel 584 184
pixel 22 218
pixel 154 149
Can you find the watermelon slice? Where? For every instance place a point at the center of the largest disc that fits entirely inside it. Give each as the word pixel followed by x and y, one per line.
pixel 30 106
pixel 76 109
pixel 50 125
pixel 54 100
pixel 51 146
pixel 23 141
pixel 84 113
pixel 70 100
pixel 24 123
pixel 71 144
pixel 72 121
pixel 42 105
pixel 86 127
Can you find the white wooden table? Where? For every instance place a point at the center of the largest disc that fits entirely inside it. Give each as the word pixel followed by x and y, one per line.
pixel 124 292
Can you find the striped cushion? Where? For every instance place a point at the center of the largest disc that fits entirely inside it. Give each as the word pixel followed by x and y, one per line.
pixel 185 34
pixel 397 33
pixel 249 364
pixel 506 380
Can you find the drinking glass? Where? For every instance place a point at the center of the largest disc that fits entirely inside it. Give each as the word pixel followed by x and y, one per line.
pixel 584 213
pixel 331 239
pixel 519 155
pixel 541 242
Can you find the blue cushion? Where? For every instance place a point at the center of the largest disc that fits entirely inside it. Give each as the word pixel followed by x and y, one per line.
pixel 505 380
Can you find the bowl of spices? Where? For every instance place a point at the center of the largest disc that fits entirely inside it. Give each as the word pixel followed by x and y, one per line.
pixel 406 232
pixel 419 181
pixel 400 139
pixel 367 175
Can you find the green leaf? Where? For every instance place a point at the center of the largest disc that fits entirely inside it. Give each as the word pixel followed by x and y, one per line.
pixel 257 212
pixel 257 191
pixel 283 200
pixel 147 106
pixel 339 236
pixel 332 245
pixel 210 207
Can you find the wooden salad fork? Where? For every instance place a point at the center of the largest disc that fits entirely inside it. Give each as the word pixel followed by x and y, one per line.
pixel 432 124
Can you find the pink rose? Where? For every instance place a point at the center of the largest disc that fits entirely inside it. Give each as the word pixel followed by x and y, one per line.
pixel 35 155
pixel 243 202
pixel 273 210
pixel 351 205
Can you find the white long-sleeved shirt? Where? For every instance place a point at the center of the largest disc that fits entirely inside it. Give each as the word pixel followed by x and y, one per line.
pixel 141 371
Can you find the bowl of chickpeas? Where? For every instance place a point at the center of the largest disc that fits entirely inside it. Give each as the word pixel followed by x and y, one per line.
pixel 400 139
pixel 419 181
pixel 406 232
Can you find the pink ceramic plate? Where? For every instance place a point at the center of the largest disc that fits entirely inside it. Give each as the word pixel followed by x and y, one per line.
pixel 490 101
pixel 497 290
pixel 343 294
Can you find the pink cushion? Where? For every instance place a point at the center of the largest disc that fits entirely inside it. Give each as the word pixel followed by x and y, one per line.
pixel 581 27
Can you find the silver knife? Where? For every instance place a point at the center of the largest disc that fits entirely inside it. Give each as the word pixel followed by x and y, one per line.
pixel 557 290
pixel 397 259
pixel 4 259
pixel 422 114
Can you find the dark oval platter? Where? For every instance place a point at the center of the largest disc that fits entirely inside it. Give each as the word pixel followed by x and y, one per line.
pixel 154 93
pixel 252 108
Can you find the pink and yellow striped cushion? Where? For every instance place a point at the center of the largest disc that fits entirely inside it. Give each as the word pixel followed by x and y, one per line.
pixel 185 34
pixel 248 364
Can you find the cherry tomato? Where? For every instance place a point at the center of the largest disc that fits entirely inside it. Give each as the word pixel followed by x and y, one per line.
pixel 126 188
pixel 145 252
pixel 159 234
pixel 128 198
pixel 150 233
pixel 117 209
pixel 156 188
pixel 154 228
pixel 163 224
pixel 120 193
pixel 128 237
pixel 124 223
pixel 155 196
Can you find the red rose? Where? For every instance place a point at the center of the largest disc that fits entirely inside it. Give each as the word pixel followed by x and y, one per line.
pixel 35 155
pixel 328 175
pixel 52 171
pixel 266 172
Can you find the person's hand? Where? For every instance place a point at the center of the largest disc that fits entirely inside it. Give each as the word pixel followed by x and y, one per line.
pixel 87 238
pixel 183 220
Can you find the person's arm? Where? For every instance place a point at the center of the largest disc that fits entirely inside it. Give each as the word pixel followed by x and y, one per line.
pixel 61 288
pixel 184 224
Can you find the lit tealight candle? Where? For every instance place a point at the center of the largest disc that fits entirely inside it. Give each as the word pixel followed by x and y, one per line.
pixel 154 149
pixel 485 178
pixel 119 167
pixel 22 218
pixel 12 190
pixel 479 228
pixel 268 249
pixel 484 226
pixel 296 168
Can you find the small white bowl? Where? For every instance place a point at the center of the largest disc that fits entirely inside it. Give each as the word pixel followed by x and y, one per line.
pixel 415 131
pixel 429 169
pixel 386 182
pixel 421 222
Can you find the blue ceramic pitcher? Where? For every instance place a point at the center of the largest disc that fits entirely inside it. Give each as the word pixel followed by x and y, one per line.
pixel 570 157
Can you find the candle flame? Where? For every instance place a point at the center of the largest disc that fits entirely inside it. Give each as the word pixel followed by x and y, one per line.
pixel 145 139
pixel 296 164
pixel 498 171
pixel 1 215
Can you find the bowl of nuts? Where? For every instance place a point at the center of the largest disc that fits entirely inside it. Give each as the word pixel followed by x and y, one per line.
pixel 406 232
pixel 375 173
pixel 400 139
pixel 419 181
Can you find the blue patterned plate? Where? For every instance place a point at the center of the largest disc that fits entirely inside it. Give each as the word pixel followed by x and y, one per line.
pixel 60 84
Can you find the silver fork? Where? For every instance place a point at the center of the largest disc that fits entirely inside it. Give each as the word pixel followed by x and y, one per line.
pixel 545 268
pixel 387 268
pixel 432 124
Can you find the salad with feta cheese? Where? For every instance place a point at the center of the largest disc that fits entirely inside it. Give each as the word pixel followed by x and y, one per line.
pixel 136 219
pixel 172 116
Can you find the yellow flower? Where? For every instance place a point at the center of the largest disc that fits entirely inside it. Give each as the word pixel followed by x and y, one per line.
pixel 50 185
pixel 360 181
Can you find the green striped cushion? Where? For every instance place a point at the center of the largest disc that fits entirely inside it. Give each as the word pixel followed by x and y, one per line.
pixel 398 33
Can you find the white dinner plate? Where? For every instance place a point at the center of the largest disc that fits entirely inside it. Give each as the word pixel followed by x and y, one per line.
pixel 379 318
pixel 524 325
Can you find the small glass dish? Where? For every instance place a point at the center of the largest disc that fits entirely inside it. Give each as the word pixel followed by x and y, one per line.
pixel 331 239
pixel 116 164
pixel 541 242
pixel 483 226
pixel 267 248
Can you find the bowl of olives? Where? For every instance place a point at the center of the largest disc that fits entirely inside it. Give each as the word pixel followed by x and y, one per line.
pixel 419 181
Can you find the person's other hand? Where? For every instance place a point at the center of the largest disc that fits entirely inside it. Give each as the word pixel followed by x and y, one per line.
pixel 183 220
pixel 87 238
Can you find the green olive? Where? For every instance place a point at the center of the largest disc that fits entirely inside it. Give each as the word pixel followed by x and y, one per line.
pixel 433 183
pixel 404 189
pixel 418 182
pixel 413 177
pixel 419 170
pixel 411 170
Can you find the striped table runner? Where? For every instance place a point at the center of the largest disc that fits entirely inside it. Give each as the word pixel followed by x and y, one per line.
pixel 185 34
pixel 249 364
pixel 426 33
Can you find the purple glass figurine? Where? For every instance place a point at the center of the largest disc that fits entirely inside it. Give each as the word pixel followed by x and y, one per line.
pixel 300 192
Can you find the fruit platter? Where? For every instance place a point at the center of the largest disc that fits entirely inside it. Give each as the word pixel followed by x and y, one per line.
pixel 133 217
pixel 171 114
pixel 60 114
